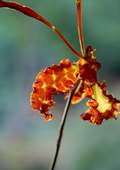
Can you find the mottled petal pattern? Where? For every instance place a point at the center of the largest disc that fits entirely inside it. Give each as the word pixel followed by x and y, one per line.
pixel 53 80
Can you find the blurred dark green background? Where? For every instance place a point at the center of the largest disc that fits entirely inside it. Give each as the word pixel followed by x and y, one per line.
pixel 26 46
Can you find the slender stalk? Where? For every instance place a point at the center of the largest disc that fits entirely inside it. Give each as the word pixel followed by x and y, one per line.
pixel 79 20
pixel 31 13
pixel 65 113
pixel 62 124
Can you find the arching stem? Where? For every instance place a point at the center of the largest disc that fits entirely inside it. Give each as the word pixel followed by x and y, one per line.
pixel 31 13
pixel 79 20
pixel 63 121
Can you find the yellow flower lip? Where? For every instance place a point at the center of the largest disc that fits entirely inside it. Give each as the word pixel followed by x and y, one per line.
pixel 103 101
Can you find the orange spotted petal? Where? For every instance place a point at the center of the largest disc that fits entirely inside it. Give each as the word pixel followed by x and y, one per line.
pixel 52 80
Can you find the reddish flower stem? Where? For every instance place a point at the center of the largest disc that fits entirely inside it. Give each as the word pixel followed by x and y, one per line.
pixel 63 121
pixel 79 20
pixel 31 13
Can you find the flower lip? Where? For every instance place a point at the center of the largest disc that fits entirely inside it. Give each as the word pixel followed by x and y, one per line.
pixel 101 105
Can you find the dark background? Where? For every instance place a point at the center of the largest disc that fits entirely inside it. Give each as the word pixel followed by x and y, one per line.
pixel 27 46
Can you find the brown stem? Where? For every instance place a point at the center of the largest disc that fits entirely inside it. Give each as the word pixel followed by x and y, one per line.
pixel 63 121
pixel 31 13
pixel 79 20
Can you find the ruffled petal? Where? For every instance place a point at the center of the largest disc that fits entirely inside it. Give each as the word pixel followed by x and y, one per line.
pixel 52 80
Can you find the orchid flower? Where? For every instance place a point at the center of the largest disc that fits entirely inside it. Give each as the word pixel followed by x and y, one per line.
pixel 61 78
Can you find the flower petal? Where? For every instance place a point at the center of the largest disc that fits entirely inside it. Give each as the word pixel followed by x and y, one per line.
pixel 52 80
